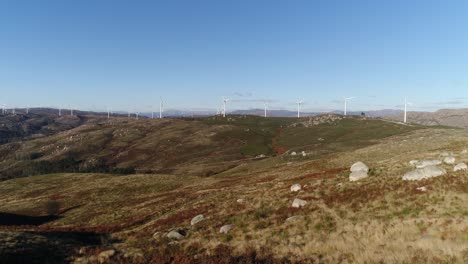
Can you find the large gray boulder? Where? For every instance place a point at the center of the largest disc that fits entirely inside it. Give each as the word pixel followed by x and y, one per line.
pixel 424 173
pixel 358 175
pixel 424 163
pixel 460 166
pixel 296 187
pixel 298 203
pixel 225 229
pixel 197 219
pixel 175 235
pixel 359 171
pixel 449 160
pixel 359 166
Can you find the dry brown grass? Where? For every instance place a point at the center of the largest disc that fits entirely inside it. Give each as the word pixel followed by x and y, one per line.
pixel 377 220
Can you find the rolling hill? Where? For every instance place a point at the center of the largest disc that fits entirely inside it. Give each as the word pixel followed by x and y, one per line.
pixel 125 216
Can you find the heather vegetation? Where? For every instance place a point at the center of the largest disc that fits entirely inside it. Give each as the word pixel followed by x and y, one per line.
pixel 82 213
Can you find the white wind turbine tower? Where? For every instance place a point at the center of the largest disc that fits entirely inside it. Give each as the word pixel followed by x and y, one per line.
pixel 406 108
pixel 3 109
pixel 108 113
pixel 265 105
pixel 225 100
pixel 161 106
pixel 346 104
pixel 299 103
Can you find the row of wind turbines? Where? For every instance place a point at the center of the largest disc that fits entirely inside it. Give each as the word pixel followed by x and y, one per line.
pixel 222 112
pixel 300 102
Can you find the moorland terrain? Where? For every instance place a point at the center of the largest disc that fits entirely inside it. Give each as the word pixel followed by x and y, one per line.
pixel 86 189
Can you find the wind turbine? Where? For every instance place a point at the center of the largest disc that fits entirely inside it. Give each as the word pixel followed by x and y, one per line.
pixel 265 105
pixel 3 109
pixel 161 106
pixel 71 111
pixel 346 104
pixel 60 111
pixel 406 107
pixel 225 100
pixel 299 103
pixel 108 113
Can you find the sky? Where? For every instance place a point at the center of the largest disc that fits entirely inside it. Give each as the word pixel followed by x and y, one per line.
pixel 93 55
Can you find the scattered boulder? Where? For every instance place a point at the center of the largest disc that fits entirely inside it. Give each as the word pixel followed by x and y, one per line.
pixel 106 255
pixel 464 151
pixel 358 171
pixel 197 219
pixel 424 163
pixel 240 201
pixel 303 153
pixel 293 153
pixel 446 154
pixel 225 229
pixel 421 189
pixel 293 218
pixel 460 166
pixel 296 187
pixel 424 173
pixel 359 166
pixel 298 203
pixel 449 160
pixel 175 235
pixel 413 162
pixel 358 175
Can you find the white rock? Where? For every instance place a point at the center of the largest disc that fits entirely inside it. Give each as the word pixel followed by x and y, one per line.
pixel 413 162
pixel 303 154
pixel 446 154
pixel 460 166
pixel 424 173
pixel 293 153
pixel 298 203
pixel 421 189
pixel 293 218
pixel 464 151
pixel 106 255
pixel 175 234
pixel 424 163
pixel 358 175
pixel 225 229
pixel 240 201
pixel 449 160
pixel 296 187
pixel 197 219
pixel 359 166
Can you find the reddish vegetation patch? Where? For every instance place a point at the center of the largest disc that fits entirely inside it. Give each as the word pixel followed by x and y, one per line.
pixel 326 174
pixel 276 147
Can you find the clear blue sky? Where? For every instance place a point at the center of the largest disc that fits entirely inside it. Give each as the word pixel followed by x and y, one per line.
pixel 98 53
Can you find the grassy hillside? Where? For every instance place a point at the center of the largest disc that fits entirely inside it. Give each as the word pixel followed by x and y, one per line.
pixel 201 147
pixel 381 219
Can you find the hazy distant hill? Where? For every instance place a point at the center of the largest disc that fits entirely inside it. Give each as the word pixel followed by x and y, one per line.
pixel 445 117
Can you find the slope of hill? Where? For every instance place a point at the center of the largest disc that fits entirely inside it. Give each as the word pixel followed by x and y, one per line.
pixel 204 146
pixel 381 219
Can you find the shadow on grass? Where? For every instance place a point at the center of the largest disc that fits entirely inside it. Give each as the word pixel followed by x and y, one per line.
pixel 8 219
pixel 46 247
pixel 18 246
